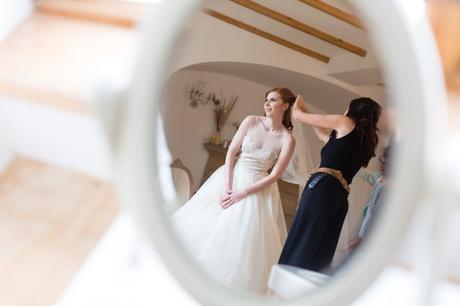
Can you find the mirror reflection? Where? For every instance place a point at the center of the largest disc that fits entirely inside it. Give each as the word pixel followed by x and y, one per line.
pixel 279 154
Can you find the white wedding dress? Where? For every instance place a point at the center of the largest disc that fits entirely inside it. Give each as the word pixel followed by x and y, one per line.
pixel 240 244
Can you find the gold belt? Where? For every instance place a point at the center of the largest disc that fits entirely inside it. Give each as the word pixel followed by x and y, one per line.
pixel 337 174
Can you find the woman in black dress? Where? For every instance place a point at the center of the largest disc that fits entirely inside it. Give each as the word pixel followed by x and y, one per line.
pixel 350 145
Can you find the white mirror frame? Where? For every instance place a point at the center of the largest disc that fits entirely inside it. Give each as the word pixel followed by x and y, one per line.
pixel 412 74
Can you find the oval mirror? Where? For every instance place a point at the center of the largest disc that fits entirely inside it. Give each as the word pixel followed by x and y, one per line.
pixel 219 177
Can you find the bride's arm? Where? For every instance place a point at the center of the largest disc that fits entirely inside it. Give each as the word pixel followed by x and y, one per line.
pixel 277 171
pixel 233 149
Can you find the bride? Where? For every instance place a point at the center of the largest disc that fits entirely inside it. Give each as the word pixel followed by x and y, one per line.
pixel 234 224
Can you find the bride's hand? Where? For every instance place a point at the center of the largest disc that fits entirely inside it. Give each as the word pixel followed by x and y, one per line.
pixel 231 198
pixel 225 195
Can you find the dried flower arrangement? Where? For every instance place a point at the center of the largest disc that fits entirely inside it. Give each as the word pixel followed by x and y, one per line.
pixel 222 107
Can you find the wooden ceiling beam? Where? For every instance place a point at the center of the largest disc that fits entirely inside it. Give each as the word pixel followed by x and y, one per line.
pixel 267 35
pixel 333 11
pixel 301 26
pixel 115 13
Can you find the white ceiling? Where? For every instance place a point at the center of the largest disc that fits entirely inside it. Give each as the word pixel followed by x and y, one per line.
pixel 300 12
pixel 351 74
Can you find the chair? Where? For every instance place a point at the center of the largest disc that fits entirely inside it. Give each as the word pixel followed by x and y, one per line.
pixel 292 282
pixel 182 179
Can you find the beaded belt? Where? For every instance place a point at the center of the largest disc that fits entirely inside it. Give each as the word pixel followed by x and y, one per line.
pixel 337 174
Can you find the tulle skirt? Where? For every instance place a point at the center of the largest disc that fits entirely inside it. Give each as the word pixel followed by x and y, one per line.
pixel 240 244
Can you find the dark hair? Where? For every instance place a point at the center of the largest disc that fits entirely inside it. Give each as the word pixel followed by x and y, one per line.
pixel 365 112
pixel 288 97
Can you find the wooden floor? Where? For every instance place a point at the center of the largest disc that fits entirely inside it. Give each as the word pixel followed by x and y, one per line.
pixel 55 61
pixel 50 219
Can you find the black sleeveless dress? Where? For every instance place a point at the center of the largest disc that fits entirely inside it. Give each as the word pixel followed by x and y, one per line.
pixel 313 237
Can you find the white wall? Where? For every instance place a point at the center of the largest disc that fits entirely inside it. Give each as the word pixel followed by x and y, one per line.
pixel 12 13
pixel 68 140
pixel 187 128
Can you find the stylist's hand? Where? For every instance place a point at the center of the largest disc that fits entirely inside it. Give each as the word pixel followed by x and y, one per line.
pixel 298 108
pixel 299 104
pixel 231 198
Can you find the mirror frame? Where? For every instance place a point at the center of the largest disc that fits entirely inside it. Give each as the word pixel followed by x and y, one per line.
pixel 417 89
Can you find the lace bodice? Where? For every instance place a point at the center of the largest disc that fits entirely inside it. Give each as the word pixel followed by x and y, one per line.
pixel 254 158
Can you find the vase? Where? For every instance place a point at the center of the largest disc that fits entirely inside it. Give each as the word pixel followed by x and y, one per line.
pixel 215 139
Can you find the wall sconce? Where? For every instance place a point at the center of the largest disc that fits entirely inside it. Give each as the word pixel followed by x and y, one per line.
pixel 197 94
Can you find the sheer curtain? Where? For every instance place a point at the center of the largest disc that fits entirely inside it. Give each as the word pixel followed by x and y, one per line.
pixel 302 161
